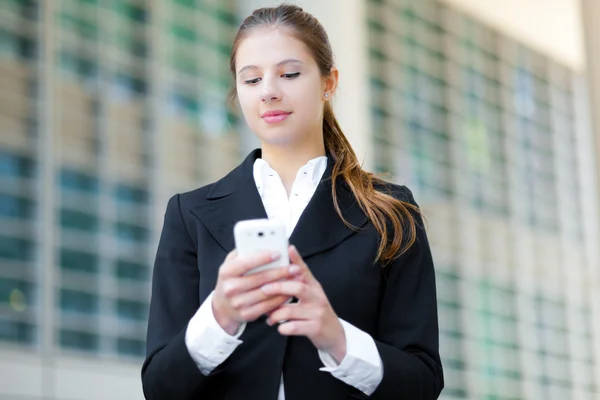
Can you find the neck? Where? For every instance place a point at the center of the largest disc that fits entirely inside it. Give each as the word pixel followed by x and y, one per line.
pixel 287 160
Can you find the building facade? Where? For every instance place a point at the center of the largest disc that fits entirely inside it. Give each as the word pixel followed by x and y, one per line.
pixel 107 108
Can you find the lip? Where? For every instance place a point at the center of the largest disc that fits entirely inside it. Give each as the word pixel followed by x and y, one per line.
pixel 275 116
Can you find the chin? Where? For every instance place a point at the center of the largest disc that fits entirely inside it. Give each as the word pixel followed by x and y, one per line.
pixel 276 140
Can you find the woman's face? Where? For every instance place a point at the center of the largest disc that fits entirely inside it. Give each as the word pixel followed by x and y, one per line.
pixel 280 88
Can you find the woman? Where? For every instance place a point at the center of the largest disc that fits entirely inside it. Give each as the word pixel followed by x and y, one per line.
pixel 365 323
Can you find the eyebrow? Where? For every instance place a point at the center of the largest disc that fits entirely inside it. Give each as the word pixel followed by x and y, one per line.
pixel 279 64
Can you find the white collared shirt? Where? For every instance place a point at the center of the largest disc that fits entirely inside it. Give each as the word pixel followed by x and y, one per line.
pixel 209 345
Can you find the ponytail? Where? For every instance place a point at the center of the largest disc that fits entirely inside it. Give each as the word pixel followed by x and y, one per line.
pixel 381 208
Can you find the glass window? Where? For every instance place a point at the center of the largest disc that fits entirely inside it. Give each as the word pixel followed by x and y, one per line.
pixel 16 331
pixel 131 347
pixel 76 301
pixel 15 207
pixel 129 309
pixel 130 43
pixel 130 194
pixel 186 3
pixel 14 248
pixel 78 340
pixel 132 270
pixel 78 261
pixel 131 232
pixel 18 294
pixel 27 9
pixel 78 220
pixel 133 12
pixel 15 166
pixel 75 180
pixel 17 47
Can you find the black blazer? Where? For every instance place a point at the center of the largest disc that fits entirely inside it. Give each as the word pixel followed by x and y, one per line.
pixel 396 305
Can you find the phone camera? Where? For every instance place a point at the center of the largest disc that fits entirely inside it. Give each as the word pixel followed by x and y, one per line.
pixel 260 234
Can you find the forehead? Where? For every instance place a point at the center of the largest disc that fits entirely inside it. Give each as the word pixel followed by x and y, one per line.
pixel 265 47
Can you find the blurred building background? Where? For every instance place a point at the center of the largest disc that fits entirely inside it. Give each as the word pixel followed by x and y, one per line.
pixel 108 107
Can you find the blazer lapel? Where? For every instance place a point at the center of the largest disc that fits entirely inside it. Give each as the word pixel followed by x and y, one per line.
pixel 235 198
pixel 320 227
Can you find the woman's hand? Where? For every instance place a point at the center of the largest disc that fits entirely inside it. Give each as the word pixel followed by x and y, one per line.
pixel 238 297
pixel 312 316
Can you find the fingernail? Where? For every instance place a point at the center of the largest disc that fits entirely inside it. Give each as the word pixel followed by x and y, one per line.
pixel 294 269
pixel 275 255
pixel 267 288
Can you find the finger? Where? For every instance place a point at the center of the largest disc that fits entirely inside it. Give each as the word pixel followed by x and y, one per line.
pixel 298 328
pixel 293 312
pixel 240 265
pixel 248 299
pixel 291 288
pixel 246 283
pixel 231 255
pixel 253 312
pixel 296 258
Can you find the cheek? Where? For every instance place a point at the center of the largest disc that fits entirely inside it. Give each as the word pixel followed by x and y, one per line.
pixel 246 103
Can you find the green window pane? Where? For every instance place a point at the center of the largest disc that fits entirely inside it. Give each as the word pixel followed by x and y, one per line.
pixel 186 3
pixel 16 331
pixel 13 248
pixel 75 260
pixel 377 54
pixel 129 43
pixel 131 347
pixel 15 166
pixel 78 220
pixel 376 26
pixel 17 47
pixel 129 85
pixel 15 207
pixel 18 294
pixel 89 29
pixel 76 301
pixel 131 11
pixel 129 309
pixel 186 63
pixel 224 48
pixel 225 16
pixel 131 232
pixel 132 270
pixel 185 104
pixel 183 32
pixel 79 340
pixel 130 194
pixel 79 181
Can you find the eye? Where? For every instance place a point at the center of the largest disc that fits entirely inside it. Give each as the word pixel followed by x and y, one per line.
pixel 252 81
pixel 291 76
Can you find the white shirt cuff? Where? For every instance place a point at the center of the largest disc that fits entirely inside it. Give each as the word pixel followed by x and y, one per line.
pixel 207 342
pixel 361 366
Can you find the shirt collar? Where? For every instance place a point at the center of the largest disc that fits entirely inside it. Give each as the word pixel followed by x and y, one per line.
pixel 313 169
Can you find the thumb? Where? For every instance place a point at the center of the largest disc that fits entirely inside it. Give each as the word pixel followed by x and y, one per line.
pixel 296 259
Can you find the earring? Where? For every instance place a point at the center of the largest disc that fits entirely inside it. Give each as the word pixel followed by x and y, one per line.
pixel 326 95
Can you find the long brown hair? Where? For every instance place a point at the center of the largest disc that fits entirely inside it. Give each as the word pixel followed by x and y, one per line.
pixel 381 208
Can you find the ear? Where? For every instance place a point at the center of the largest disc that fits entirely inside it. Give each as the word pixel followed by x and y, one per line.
pixel 331 81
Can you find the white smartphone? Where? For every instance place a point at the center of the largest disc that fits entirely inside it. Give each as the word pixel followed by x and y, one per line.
pixel 257 235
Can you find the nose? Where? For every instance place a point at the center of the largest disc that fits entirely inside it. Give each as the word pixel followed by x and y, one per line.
pixel 270 92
